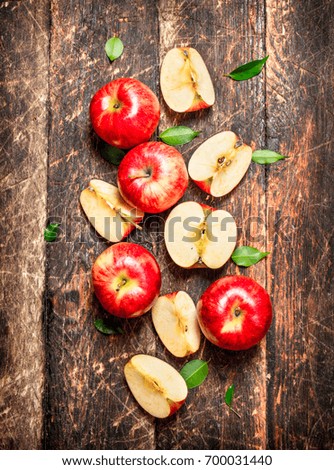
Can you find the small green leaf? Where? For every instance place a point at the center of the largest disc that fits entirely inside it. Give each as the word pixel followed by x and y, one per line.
pixel 51 232
pixel 229 395
pixel 194 372
pixel 247 256
pixel 178 135
pixel 107 329
pixel 114 48
pixel 229 398
pixel 249 70
pixel 111 154
pixel 265 157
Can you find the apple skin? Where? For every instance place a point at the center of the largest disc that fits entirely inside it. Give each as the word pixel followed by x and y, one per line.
pixel 124 112
pixel 234 313
pixel 126 280
pixel 204 185
pixel 198 104
pixel 175 406
pixel 152 177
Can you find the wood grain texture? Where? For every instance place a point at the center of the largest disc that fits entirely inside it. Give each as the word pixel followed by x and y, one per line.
pixel 226 34
pixel 300 203
pixel 53 61
pixel 23 142
pixel 88 404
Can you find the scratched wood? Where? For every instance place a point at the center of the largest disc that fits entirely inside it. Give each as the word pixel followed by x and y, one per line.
pixel 23 142
pixel 300 123
pixel 69 389
pixel 88 403
pixel 226 35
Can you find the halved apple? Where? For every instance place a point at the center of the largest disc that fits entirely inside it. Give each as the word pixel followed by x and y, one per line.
pixel 107 211
pixel 185 81
pixel 198 236
pixel 220 163
pixel 156 385
pixel 175 321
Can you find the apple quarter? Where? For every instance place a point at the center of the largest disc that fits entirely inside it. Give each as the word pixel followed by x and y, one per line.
pixel 157 386
pixel 175 321
pixel 110 215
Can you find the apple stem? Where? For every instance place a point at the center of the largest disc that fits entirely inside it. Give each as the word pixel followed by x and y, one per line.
pixel 133 177
pixel 120 285
pixel 239 416
pixel 128 219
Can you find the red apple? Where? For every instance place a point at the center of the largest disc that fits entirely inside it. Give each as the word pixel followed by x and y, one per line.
pixel 234 312
pixel 126 280
pixel 152 177
pixel 124 112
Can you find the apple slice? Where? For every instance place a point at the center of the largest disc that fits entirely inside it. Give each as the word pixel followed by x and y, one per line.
pixel 198 236
pixel 157 386
pixel 185 81
pixel 107 211
pixel 220 163
pixel 175 321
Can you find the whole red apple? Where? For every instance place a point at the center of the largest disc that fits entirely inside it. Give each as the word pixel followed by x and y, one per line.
pixel 126 280
pixel 234 312
pixel 124 112
pixel 153 176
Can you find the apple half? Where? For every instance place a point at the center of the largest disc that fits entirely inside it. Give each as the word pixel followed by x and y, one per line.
pixel 156 385
pixel 220 163
pixel 110 215
pixel 199 236
pixel 185 81
pixel 175 321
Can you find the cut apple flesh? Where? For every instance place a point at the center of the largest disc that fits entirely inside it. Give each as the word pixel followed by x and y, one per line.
pixel 157 386
pixel 220 163
pixel 197 236
pixel 175 321
pixel 107 211
pixel 185 81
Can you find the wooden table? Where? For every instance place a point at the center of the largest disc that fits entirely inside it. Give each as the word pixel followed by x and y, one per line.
pixel 61 381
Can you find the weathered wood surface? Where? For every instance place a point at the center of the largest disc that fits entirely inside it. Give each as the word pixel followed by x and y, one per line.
pixel 284 385
pixel 300 122
pixel 24 145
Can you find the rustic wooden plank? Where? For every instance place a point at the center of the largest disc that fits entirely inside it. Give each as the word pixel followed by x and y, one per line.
pixel 300 123
pixel 88 403
pixel 226 34
pixel 23 141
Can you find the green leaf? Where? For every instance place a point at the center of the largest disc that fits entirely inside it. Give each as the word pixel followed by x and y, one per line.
pixel 247 256
pixel 229 398
pixel 51 232
pixel 111 154
pixel 194 372
pixel 178 135
pixel 106 328
pixel 249 70
pixel 229 395
pixel 265 157
pixel 114 48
